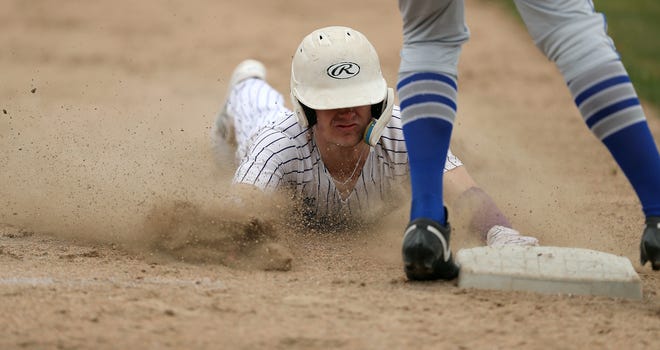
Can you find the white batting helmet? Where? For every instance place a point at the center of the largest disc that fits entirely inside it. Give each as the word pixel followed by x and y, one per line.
pixel 337 67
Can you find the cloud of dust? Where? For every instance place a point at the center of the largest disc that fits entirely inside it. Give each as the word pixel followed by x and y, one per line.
pixel 242 235
pixel 140 185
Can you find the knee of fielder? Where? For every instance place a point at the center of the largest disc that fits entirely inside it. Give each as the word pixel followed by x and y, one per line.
pixel 574 36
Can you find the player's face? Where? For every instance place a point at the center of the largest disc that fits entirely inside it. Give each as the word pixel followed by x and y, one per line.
pixel 343 126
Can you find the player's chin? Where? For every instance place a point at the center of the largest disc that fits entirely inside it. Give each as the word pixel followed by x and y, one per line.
pixel 349 141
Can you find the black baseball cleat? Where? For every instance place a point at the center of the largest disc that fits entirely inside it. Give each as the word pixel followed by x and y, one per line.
pixel 650 245
pixel 426 253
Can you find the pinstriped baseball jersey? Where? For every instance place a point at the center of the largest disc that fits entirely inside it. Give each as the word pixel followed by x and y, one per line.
pixel 277 153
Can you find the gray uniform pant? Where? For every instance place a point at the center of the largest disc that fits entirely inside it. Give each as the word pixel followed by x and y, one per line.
pixel 569 32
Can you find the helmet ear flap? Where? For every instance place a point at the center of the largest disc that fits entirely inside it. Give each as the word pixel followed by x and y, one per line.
pixel 379 120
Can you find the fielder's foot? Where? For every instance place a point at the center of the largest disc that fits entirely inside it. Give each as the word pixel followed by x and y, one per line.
pixel 650 245
pixel 499 236
pixel 224 123
pixel 426 253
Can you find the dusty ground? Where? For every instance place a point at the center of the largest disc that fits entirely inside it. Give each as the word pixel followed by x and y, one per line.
pixel 106 111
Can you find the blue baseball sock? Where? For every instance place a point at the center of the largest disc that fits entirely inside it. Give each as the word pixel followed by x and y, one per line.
pixel 428 110
pixel 635 151
pixel 609 105
pixel 427 141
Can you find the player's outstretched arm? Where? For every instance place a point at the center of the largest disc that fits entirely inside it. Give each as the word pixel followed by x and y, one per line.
pixel 464 194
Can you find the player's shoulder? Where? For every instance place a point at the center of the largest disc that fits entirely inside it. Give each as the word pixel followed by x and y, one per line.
pixel 395 121
pixel 284 127
pixel 393 132
pixel 285 122
pixel 396 112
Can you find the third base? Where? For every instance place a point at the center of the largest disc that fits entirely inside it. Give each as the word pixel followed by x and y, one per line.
pixel 550 270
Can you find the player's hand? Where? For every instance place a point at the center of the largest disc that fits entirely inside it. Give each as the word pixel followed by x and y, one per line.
pixel 499 236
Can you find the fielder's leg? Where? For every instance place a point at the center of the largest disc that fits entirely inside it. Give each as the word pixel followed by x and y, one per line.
pixel 433 32
pixel 574 36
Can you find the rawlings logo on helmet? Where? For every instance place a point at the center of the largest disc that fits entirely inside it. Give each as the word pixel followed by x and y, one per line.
pixel 343 70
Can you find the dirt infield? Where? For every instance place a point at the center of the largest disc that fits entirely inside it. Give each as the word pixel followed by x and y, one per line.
pixel 118 230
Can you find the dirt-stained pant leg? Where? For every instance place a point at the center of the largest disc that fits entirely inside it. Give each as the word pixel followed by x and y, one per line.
pixel 433 32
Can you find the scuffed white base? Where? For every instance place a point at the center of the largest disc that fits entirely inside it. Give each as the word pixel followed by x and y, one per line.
pixel 550 270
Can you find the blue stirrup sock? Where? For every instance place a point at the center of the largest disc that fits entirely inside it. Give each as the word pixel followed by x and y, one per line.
pixel 428 110
pixel 634 150
pixel 609 106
